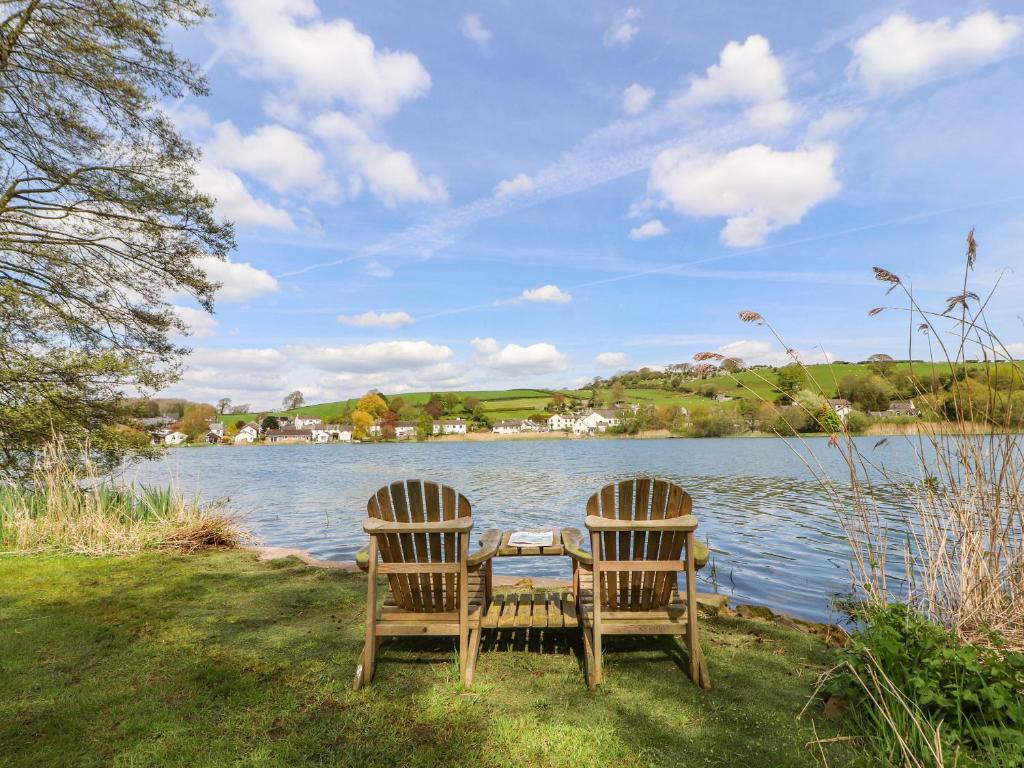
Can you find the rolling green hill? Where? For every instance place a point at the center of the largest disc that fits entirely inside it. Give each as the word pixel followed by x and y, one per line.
pixel 756 383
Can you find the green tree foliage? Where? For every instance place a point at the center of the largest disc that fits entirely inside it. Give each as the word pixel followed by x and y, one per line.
pixel 791 379
pixel 857 422
pixel 470 403
pixel 99 219
pixel 868 393
pixel 828 419
pixel 196 421
pixel 269 422
pixel 712 422
pixel 424 426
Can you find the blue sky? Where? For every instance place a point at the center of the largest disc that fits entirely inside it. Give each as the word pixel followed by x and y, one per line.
pixel 439 196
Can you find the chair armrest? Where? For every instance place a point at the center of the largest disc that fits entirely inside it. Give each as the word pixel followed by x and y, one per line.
pixel 373 525
pixel 489 541
pixel 363 558
pixel 682 523
pixel 572 542
pixel 701 554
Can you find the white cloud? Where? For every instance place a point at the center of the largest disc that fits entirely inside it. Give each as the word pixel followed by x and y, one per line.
pixel 652 228
pixel 1016 350
pixel 237 373
pixel 391 174
pixel 200 322
pixel 379 356
pixel 759 189
pixel 831 123
pixel 623 29
pixel 550 294
pixel 472 28
pixel 373 319
pixel 235 202
pixel 240 280
pixel 513 358
pixel 378 270
pixel 440 376
pixel 612 359
pixel 636 98
pixel 765 353
pixel 321 60
pixel 278 156
pixel 520 184
pixel 749 73
pixel 902 52
pixel 188 117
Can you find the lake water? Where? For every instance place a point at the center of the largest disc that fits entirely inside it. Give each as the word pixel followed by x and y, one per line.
pixel 774 537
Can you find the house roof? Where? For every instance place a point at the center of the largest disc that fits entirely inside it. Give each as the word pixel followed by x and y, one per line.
pixel 841 401
pixel 405 423
pixel 509 423
pixel 289 432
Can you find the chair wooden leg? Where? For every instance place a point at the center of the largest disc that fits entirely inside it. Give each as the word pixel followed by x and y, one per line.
pixel 474 652
pixel 588 658
pixel 363 674
pixel 598 670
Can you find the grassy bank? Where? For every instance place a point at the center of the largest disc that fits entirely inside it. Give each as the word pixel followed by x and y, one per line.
pixel 218 659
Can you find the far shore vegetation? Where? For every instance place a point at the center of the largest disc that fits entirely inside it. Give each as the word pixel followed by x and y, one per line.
pixel 877 396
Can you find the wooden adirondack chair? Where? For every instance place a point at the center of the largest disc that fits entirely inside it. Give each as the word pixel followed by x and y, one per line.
pixel 642 534
pixel 419 538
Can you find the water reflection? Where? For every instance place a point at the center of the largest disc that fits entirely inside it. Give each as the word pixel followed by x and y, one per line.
pixel 773 533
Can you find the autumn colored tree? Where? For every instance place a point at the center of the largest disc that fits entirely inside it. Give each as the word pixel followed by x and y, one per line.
pixel 196 421
pixel 373 404
pixel 361 423
pixel 435 407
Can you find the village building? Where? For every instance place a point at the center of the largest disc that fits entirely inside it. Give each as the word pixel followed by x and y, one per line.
pixel 450 427
pixel 248 433
pixel 405 429
pixel 898 408
pixel 305 422
pixel 507 427
pixel 560 422
pixel 327 433
pixel 841 407
pixel 289 435
pixel 529 425
pixel 596 420
pixel 175 438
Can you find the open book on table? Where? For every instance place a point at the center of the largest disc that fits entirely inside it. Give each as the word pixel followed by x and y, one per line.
pixel 531 539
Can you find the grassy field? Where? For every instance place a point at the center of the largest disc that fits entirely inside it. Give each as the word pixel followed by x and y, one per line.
pixel 218 659
pixel 760 383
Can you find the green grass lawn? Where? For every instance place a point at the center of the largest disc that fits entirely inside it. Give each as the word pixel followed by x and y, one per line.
pixel 218 659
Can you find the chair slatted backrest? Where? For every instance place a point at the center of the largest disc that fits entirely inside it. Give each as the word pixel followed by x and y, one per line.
pixel 416 501
pixel 639 499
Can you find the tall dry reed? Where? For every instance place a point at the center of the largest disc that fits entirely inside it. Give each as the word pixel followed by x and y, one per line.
pixel 958 548
pixel 66 508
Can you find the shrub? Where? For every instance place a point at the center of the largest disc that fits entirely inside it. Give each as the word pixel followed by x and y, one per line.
pixel 712 422
pixel 915 687
pixel 856 421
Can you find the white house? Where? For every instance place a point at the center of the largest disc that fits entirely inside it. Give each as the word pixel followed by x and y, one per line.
pixel 289 435
pixel 217 427
pixel 529 425
pixel 597 421
pixel 374 429
pixel 248 433
pixel 507 427
pixel 841 407
pixel 325 433
pixel 405 430
pixel 450 427
pixel 175 438
pixel 305 422
pixel 559 422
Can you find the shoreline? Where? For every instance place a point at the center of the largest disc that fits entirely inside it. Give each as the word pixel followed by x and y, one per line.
pixel 875 430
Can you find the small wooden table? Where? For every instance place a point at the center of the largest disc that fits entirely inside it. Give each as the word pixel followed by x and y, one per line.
pixel 556 549
pixel 526 608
